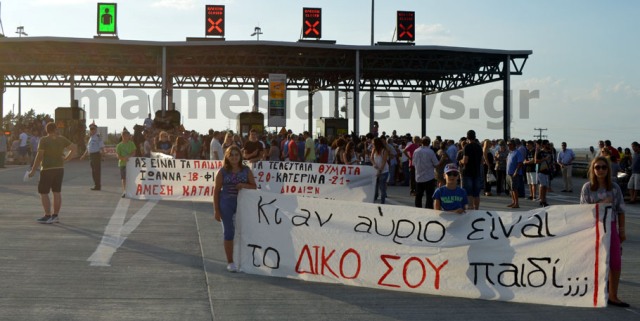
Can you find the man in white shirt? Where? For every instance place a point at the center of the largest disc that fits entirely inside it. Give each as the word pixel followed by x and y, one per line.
pixel 148 122
pixel 215 151
pixel 425 161
pixel 23 148
pixel 95 149
pixel 565 160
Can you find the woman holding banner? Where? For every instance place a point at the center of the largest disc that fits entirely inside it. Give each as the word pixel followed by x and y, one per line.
pixel 232 177
pixel 600 189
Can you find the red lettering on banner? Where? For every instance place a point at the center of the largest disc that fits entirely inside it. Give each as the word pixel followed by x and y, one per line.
pixel 406 267
pixel 305 251
pixel 197 190
pixel 387 259
pixel 338 169
pixel 161 190
pixel 288 189
pixel 384 258
pixel 320 262
pixel 344 255
pixel 203 164
pixel 436 282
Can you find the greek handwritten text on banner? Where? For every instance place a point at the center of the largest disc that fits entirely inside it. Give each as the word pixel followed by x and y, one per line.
pixel 555 255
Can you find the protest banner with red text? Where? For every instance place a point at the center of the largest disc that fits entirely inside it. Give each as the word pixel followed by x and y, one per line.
pixel 332 181
pixel 164 178
pixel 171 179
pixel 555 255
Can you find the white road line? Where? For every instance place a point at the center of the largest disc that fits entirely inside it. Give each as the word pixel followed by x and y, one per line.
pixel 117 231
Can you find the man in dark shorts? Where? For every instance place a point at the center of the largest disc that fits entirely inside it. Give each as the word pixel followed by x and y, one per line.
pixel 51 156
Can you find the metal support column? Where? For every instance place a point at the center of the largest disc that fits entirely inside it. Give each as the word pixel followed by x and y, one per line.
pixel 163 100
pixel 256 95
pixel 19 95
pixel 506 116
pixel 423 111
pixel 336 102
pixel 72 89
pixel 2 90
pixel 356 96
pixel 310 117
pixel 371 109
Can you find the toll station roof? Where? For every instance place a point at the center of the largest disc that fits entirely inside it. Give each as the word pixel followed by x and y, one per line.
pixel 112 63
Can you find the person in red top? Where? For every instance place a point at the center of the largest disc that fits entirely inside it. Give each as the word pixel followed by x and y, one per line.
pixel 323 151
pixel 612 150
pixel 293 148
pixel 412 170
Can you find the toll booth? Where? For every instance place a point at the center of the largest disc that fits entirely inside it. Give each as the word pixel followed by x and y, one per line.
pixel 250 120
pixel 334 127
pixel 72 124
pixel 170 120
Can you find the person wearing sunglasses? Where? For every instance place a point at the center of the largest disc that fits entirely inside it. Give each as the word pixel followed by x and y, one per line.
pixel 451 197
pixel 601 189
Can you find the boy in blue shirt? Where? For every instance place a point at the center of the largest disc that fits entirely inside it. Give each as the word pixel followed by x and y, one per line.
pixel 450 198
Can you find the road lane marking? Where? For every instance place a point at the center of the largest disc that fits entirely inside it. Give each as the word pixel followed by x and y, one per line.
pixel 117 231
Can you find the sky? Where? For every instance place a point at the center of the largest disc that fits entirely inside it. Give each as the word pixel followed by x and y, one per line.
pixel 580 83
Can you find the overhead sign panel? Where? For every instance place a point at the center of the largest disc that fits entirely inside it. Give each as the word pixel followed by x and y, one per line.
pixel 406 25
pixel 214 20
pixel 277 100
pixel 107 14
pixel 312 23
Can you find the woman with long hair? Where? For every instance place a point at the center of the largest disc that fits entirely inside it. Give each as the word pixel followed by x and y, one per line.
pixel 163 144
pixel 349 156
pixel 443 160
pixel 501 167
pixel 238 141
pixel 180 149
pixel 379 156
pixel 487 165
pixel 232 177
pixel 600 189
pixel 274 151
pixel 339 150
pixel 228 141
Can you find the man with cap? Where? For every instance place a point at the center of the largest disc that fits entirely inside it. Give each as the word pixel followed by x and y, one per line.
pixel 95 148
pixel 125 149
pixel 450 198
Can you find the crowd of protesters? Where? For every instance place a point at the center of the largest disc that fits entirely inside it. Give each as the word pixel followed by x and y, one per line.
pixel 405 160
pixel 411 161
pixel 434 169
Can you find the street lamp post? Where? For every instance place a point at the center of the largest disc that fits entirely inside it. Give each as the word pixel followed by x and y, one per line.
pixel 371 90
pixel 257 32
pixel 20 33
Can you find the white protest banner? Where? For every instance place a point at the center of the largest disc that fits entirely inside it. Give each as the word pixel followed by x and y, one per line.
pixel 332 181
pixel 555 255
pixel 161 155
pixel 164 178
